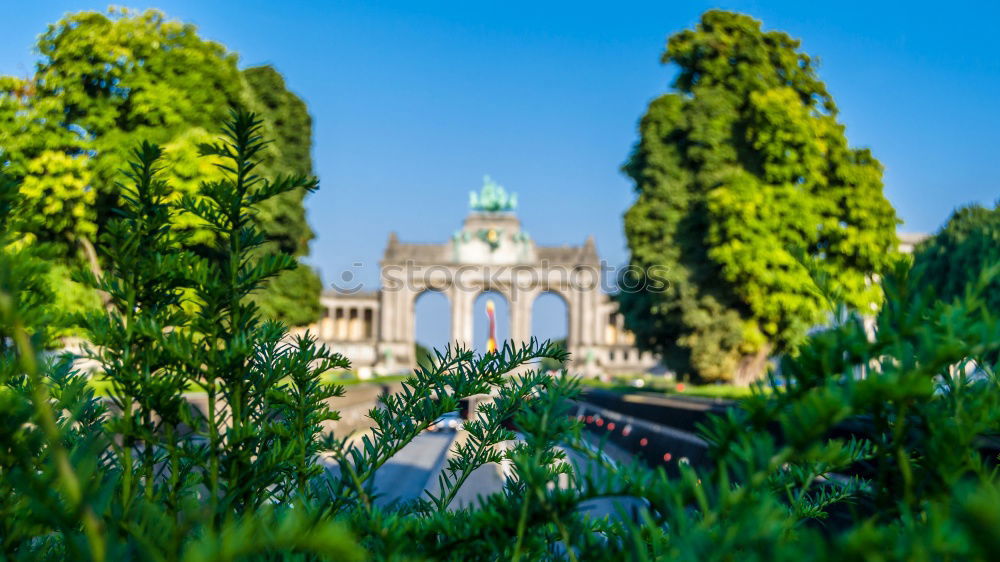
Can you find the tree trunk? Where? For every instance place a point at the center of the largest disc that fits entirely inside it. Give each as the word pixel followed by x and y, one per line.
pixel 751 367
pixel 95 268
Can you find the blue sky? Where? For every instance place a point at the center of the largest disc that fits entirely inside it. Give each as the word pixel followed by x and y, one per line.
pixel 414 101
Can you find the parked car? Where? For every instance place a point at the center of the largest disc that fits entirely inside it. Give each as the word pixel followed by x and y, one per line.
pixel 448 422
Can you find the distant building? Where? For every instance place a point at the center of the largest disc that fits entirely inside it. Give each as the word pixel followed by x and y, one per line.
pixel 909 240
pixel 376 330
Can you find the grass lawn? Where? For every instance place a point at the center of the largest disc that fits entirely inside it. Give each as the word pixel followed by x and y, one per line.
pixel 347 378
pixel 102 386
pixel 721 391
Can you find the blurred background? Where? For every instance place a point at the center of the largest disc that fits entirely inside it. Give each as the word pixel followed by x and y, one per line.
pixel 412 103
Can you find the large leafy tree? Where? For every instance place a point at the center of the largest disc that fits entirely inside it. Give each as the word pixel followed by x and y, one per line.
pixel 963 251
pixel 293 295
pixel 748 193
pixel 104 83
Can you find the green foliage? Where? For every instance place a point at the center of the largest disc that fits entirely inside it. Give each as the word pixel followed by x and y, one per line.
pixel 967 245
pixel 628 385
pixel 746 187
pixel 108 82
pixel 148 475
pixel 61 203
pixel 878 447
pixel 421 354
pixel 46 418
pixel 288 119
pixel 924 411
pixel 139 479
pixel 293 296
pixel 552 364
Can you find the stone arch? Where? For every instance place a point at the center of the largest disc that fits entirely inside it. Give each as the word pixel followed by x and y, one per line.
pixel 491 253
pixel 407 283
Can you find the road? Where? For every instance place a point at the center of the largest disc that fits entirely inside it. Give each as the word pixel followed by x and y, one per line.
pixel 407 474
pixel 415 469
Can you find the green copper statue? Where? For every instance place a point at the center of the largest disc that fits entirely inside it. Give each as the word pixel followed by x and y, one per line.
pixel 492 198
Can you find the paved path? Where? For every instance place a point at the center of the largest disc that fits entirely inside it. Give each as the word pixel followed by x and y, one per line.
pixel 416 468
pixel 406 475
pixel 483 481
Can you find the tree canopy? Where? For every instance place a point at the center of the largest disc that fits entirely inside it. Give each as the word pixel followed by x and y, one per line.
pixel 106 81
pixel 292 296
pixel 967 246
pixel 747 193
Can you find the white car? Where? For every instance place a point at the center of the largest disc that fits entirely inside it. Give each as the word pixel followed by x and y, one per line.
pixel 448 422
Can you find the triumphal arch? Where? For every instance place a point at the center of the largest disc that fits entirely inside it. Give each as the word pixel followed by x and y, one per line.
pixel 490 252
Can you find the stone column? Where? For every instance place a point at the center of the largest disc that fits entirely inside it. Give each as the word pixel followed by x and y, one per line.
pixel 573 335
pixel 340 321
pixel 389 345
pixel 521 305
pixel 368 323
pixel 326 328
pixel 387 314
pixel 407 321
pixel 461 314
pixel 619 328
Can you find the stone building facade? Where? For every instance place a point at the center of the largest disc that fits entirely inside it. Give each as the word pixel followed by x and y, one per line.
pixel 376 330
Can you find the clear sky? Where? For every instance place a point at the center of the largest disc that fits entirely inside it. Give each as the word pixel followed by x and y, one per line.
pixel 414 101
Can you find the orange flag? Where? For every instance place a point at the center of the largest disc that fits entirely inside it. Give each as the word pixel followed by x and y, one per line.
pixel 491 343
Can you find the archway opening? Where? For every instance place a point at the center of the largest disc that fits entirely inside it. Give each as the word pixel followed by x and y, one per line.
pixel 550 321
pixel 481 323
pixel 432 324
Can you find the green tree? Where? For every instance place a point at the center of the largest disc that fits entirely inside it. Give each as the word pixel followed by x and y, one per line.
pixel 964 253
pixel 965 247
pixel 554 364
pixel 107 81
pixel 747 190
pixel 422 354
pixel 292 296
